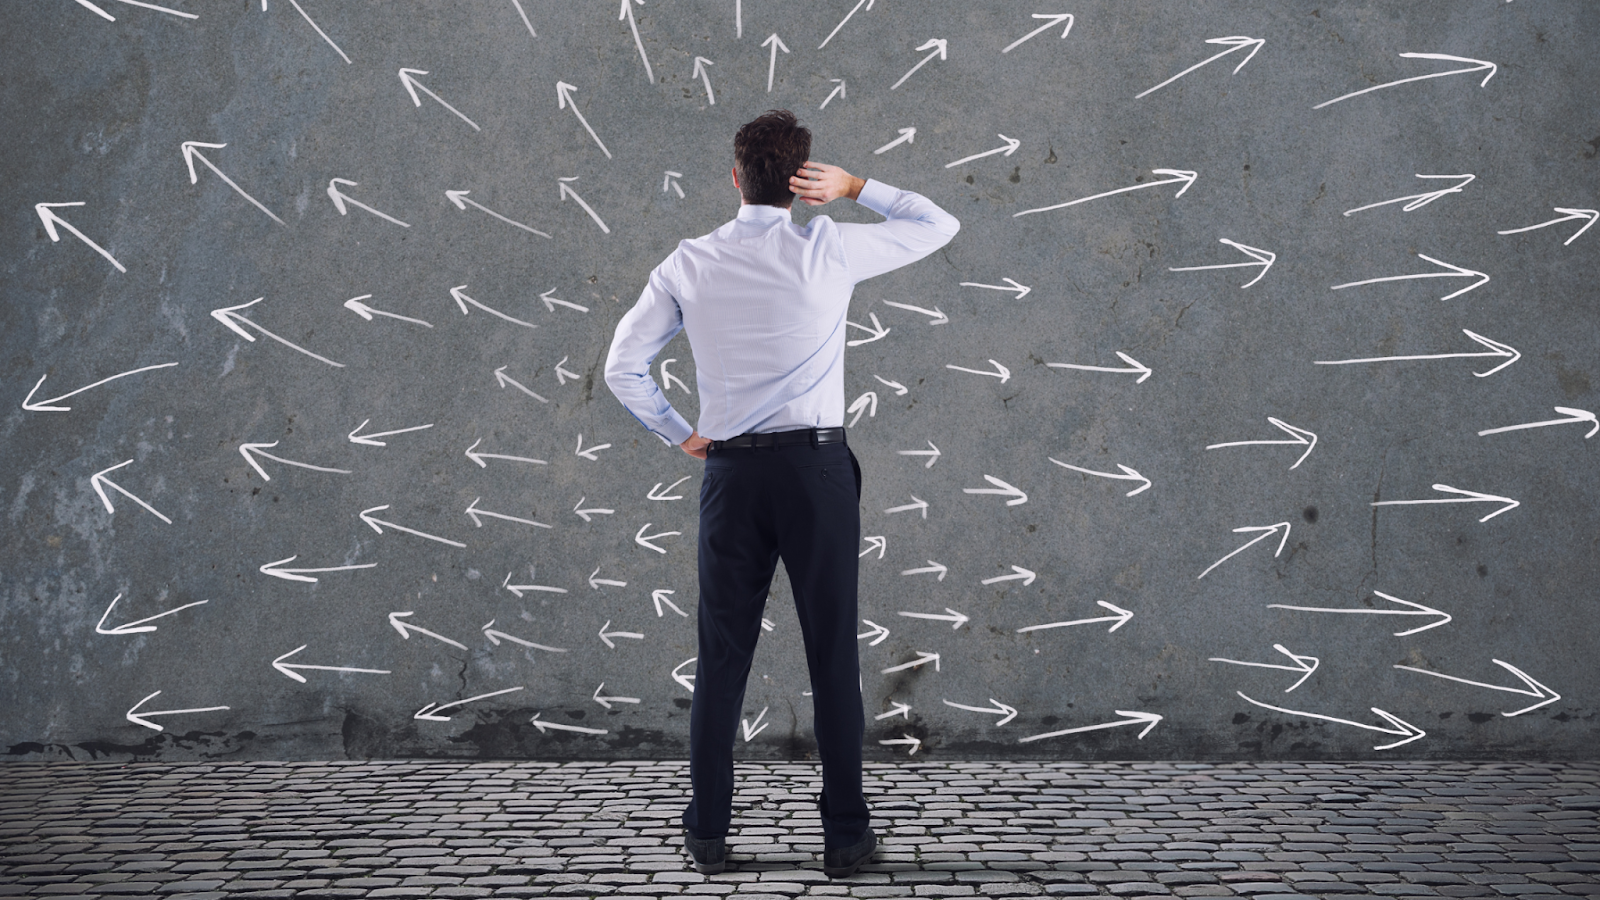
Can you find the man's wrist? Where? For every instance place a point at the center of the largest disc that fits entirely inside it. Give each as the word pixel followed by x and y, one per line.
pixel 856 184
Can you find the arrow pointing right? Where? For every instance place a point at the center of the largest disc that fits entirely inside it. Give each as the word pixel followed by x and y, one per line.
pixel 1401 727
pixel 1479 66
pixel 1128 475
pixel 1571 214
pixel 1544 695
pixel 1006 713
pixel 955 619
pixel 1464 497
pixel 1266 532
pixel 1148 720
pixel 1120 619
pixel 878 633
pixel 907 136
pixel 1573 416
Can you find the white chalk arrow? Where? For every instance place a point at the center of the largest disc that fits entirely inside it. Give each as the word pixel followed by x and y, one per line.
pixel 1127 475
pixel 564 98
pixel 432 710
pixel 1233 43
pixel 607 701
pixel 751 729
pixel 938 316
pixel 235 323
pixel 915 505
pixel 374 523
pixel 776 43
pixel 550 302
pixel 524 14
pixel 29 404
pixel 355 305
pixel 866 403
pixel 668 379
pixel 502 379
pixel 877 331
pixel 1462 497
pixel 955 619
pixel 932 568
pixel 837 92
pixel 1266 532
pixel 878 633
pixel 412 85
pixel 519 589
pixel 627 13
pixel 1183 175
pixel 932 454
pixel 663 595
pixel 1054 19
pixel 1006 713
pixel 923 658
pixel 1001 488
pixel 589 454
pixel 1417 609
pixel 109 18
pixel 1570 215
pixel 937 45
pixel 608 635
pixel 1136 366
pixel 1298 437
pixel 569 192
pixel 908 135
pixel 1539 692
pixel 137 626
pixel 287 668
pixel 1010 147
pixel 495 636
pixel 371 440
pixel 405 629
pixel 875 542
pixel 142 718
pixel 859 4
pixel 896 708
pixel 905 740
pixel 900 390
pixel 596 582
pixel 542 725
pixel 480 457
pixel 644 540
pixel 51 220
pixel 1478 66
pixel 1000 372
pixel 700 62
pixel 1118 620
pixel 461 298
pixel 660 493
pixel 1148 720
pixel 588 514
pixel 1018 574
pixel 1401 728
pixel 1496 349
pixel 246 451
pixel 190 154
pixel 1305 665
pixel 276 570
pixel 1263 258
pixel 340 200
pixel 1455 272
pixel 1020 289
pixel 1417 201
pixel 314 26
pixel 459 198
pixel 686 680
pixel 478 515
pixel 1572 417
pixel 100 482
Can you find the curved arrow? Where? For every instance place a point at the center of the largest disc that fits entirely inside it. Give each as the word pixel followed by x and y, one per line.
pixel 1148 720
pixel 1128 475
pixel 1300 436
pixel 1571 214
pixel 1266 532
pixel 1234 43
pixel 1263 258
pixel 1479 67
pixel 1544 695
pixel 1178 175
pixel 29 404
pixel 140 718
pixel 412 85
pixel 51 220
pixel 1006 713
pixel 1401 727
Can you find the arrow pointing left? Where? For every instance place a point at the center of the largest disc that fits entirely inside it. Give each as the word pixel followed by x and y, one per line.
pixel 276 570
pixel 29 404
pixel 478 515
pixel 644 540
pixel 374 523
pixel 235 322
pixel 285 668
pixel 109 18
pixel 459 293
pixel 99 478
pixel 190 154
pixel 412 85
pixel 405 629
pixel 141 718
pixel 138 626
pixel 542 725
pixel 340 201
pixel 459 198
pixel 245 450
pixel 51 220
pixel 431 711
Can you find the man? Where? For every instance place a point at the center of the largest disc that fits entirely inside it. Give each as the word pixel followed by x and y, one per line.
pixel 764 303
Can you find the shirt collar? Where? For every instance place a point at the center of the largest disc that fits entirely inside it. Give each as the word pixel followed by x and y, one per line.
pixel 761 212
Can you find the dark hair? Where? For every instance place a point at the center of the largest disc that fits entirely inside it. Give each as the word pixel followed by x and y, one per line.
pixel 767 152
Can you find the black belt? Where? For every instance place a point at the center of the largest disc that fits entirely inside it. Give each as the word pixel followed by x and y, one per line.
pixel 812 436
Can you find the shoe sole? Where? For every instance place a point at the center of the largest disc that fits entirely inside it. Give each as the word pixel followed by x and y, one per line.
pixel 710 868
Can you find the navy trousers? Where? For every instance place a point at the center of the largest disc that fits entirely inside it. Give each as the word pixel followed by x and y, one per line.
pixel 797 503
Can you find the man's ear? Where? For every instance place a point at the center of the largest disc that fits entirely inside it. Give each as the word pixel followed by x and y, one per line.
pixel 736 187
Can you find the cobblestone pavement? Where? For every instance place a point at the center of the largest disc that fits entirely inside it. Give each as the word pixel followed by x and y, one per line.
pixel 528 829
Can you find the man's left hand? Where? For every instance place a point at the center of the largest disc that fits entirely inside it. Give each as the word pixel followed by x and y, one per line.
pixel 695 445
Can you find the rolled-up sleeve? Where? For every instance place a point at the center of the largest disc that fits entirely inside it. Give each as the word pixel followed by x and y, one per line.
pixel 916 227
pixel 641 334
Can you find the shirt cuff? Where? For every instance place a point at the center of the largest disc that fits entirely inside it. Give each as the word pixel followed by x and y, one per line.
pixel 676 429
pixel 877 196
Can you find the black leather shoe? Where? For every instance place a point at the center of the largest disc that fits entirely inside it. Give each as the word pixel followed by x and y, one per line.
pixel 710 855
pixel 844 863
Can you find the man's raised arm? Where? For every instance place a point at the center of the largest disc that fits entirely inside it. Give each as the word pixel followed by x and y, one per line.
pixel 916 226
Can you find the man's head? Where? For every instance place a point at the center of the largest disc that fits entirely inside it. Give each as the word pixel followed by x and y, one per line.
pixel 766 153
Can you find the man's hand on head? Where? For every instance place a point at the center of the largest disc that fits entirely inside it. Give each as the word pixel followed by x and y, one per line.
pixel 695 445
pixel 817 183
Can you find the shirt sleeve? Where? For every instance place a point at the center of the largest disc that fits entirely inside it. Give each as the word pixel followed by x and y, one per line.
pixel 916 227
pixel 641 334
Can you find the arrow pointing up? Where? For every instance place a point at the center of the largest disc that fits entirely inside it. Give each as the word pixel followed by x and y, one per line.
pixel 937 45
pixel 51 220
pixel 563 99
pixel 700 62
pixel 627 13
pixel 190 154
pixel 776 43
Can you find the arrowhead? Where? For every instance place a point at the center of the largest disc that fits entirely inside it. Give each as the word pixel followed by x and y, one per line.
pixel 1119 611
pixel 228 316
pixel 406 79
pixel 285 669
pixel 355 305
pixel 1137 717
pixel 138 720
pixel 537 723
pixel 458 292
pixel 272 569
pixel 1022 288
pixel 779 41
pixel 1141 368
pixel 244 451
pixel 1009 711
pixel 1021 571
pixel 1499 350
pixel 699 63
pixel 910 133
pixel 563 94
pixel 1182 175
pixel 455 197
pixel 1134 473
pixel 189 153
pixel 338 198
pixel 1004 373
pixel 1012 145
pixel 472 510
pixel 940 319
pixel 394 619
pixel 935 43
pixel 1410 731
pixel 960 620
pixel 367 518
pixel 424 713
pixel 29 405
pixel 49 217
pixel 476 457
pixel 501 377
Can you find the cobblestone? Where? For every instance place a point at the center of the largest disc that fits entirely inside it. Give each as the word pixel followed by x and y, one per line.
pixel 1264 831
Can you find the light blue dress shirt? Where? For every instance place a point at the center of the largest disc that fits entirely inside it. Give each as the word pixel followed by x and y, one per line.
pixel 764 303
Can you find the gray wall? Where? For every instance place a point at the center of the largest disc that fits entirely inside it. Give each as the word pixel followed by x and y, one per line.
pixel 96 112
